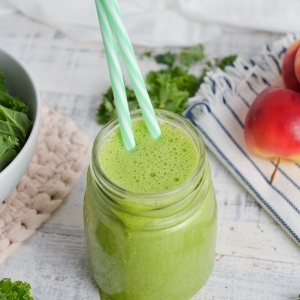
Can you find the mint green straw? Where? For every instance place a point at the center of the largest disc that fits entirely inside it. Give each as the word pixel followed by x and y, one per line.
pixel 116 78
pixel 114 16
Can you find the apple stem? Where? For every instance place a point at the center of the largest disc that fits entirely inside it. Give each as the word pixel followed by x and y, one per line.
pixel 274 172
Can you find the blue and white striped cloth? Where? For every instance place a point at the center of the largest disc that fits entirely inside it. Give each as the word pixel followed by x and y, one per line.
pixel 219 109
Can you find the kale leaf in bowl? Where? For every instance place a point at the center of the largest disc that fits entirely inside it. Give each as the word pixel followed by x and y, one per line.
pixel 15 125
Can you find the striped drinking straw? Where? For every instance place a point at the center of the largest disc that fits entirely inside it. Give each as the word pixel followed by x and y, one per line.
pixel 114 16
pixel 116 78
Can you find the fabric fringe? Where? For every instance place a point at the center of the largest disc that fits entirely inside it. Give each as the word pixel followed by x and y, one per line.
pixel 219 85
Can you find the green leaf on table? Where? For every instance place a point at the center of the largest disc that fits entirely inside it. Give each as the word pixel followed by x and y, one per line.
pixel 18 290
pixel 8 145
pixel 212 65
pixel 14 123
pixel 9 101
pixel 146 54
pixel 226 61
pixel 170 87
pixel 107 109
pixel 192 55
pixel 184 81
pixel 178 76
pixel 202 76
pixel 168 90
pixel 166 59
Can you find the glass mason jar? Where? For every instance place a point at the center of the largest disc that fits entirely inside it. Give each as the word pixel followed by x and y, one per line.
pixel 150 246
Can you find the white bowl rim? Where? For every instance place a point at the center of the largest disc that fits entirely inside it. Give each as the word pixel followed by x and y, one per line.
pixel 36 125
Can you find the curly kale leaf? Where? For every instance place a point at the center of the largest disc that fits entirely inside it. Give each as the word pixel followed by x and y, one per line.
pixel 146 54
pixel 168 88
pixel 166 59
pixel 226 61
pixel 8 145
pixel 9 101
pixel 107 109
pixel 14 123
pixel 17 290
pixel 191 55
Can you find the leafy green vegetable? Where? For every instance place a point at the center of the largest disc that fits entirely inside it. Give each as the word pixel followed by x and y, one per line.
pixel 8 101
pixel 192 55
pixel 14 125
pixel 221 64
pixel 146 54
pixel 226 61
pixel 166 59
pixel 168 88
pixel 17 290
pixel 7 150
pixel 107 109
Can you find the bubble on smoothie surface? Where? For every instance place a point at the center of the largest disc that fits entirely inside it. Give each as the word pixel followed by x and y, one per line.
pixel 154 165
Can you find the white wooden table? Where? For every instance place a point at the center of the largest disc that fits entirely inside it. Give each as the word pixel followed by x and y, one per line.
pixel 255 257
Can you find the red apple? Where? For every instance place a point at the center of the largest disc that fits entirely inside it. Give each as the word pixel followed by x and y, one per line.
pixel 289 69
pixel 272 125
pixel 297 64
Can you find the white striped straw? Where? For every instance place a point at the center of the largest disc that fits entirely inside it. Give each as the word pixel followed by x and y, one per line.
pixel 116 78
pixel 114 16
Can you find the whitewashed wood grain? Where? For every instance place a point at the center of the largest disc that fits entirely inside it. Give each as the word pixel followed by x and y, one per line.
pixel 55 265
pixel 250 279
pixel 256 259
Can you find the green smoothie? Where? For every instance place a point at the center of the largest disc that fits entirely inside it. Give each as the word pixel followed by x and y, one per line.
pixel 154 166
pixel 150 214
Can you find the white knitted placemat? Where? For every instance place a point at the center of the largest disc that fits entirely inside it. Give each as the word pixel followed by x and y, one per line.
pixel 60 156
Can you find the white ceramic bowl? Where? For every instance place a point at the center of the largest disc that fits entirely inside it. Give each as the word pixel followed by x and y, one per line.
pixel 19 83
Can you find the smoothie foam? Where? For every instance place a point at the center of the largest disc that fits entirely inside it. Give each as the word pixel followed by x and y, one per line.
pixel 154 165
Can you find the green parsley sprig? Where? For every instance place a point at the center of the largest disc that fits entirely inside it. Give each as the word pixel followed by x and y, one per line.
pixel 170 87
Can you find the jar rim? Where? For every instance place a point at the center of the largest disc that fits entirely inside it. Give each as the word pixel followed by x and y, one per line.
pixel 113 124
